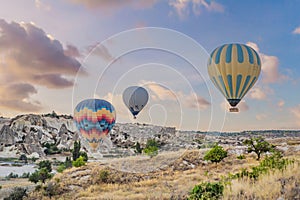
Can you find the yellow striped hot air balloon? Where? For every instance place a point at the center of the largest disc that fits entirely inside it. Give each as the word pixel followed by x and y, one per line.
pixel 234 69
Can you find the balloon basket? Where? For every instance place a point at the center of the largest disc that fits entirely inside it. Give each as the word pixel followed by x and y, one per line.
pixel 233 110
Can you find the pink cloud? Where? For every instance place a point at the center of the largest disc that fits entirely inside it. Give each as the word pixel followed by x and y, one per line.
pixel 297 30
pixel 32 58
pixel 261 117
pixel 270 66
pixel 113 5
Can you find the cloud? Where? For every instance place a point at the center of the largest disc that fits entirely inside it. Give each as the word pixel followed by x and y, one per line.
pixel 270 65
pixel 242 106
pixel 258 93
pixel 15 97
pixel 161 93
pixel 296 112
pixel 41 5
pixel 261 117
pixel 34 58
pixel 297 30
pixel 195 101
pixel 281 103
pixel 100 50
pixel 72 51
pixel 113 5
pixel 184 7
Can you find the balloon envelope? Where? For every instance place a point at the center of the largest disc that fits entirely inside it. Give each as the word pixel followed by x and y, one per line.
pixel 135 98
pixel 94 118
pixel 234 69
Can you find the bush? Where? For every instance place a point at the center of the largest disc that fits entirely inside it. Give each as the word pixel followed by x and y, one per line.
pixel 17 194
pixel 207 190
pixel 84 155
pixel 34 177
pixel 103 176
pixel 45 164
pixel 61 168
pixel 241 157
pixel 151 148
pixel 11 175
pixel 23 157
pixel 51 149
pixel 216 154
pixel 78 162
pixel 51 189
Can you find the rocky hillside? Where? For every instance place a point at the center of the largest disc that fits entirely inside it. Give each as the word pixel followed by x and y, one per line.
pixel 29 134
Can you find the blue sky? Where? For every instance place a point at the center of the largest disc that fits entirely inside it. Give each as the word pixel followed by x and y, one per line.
pixel 39 69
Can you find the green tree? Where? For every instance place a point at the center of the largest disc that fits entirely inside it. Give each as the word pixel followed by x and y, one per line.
pixel 216 154
pixel 76 150
pixel 78 162
pixel 23 157
pixel 138 148
pixel 68 162
pixel 151 148
pixel 44 175
pixel 258 145
pixel 207 190
pixel 45 164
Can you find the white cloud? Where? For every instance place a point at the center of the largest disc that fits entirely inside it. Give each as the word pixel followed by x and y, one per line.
pixel 297 30
pixel 184 7
pixel 257 93
pixel 270 65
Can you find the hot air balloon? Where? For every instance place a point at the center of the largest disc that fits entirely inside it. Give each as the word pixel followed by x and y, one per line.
pixel 234 69
pixel 135 98
pixel 94 118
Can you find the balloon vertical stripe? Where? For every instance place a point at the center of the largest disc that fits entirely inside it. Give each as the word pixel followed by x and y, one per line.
pixel 234 69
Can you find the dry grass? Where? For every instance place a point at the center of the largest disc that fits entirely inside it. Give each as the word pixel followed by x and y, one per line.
pixel 172 182
pixel 269 186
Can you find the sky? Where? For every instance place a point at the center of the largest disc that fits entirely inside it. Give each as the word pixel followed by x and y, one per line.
pixel 53 54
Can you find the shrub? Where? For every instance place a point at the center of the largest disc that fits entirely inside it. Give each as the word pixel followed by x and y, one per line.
pixel 17 194
pixel 151 148
pixel 103 176
pixel 23 157
pixel 216 154
pixel 11 175
pixel 61 168
pixel 34 177
pixel 84 155
pixel 258 145
pixel 45 164
pixel 78 162
pixel 51 189
pixel 241 157
pixel 207 190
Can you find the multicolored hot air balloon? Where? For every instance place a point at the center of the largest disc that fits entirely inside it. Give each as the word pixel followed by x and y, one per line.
pixel 135 98
pixel 94 118
pixel 234 69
